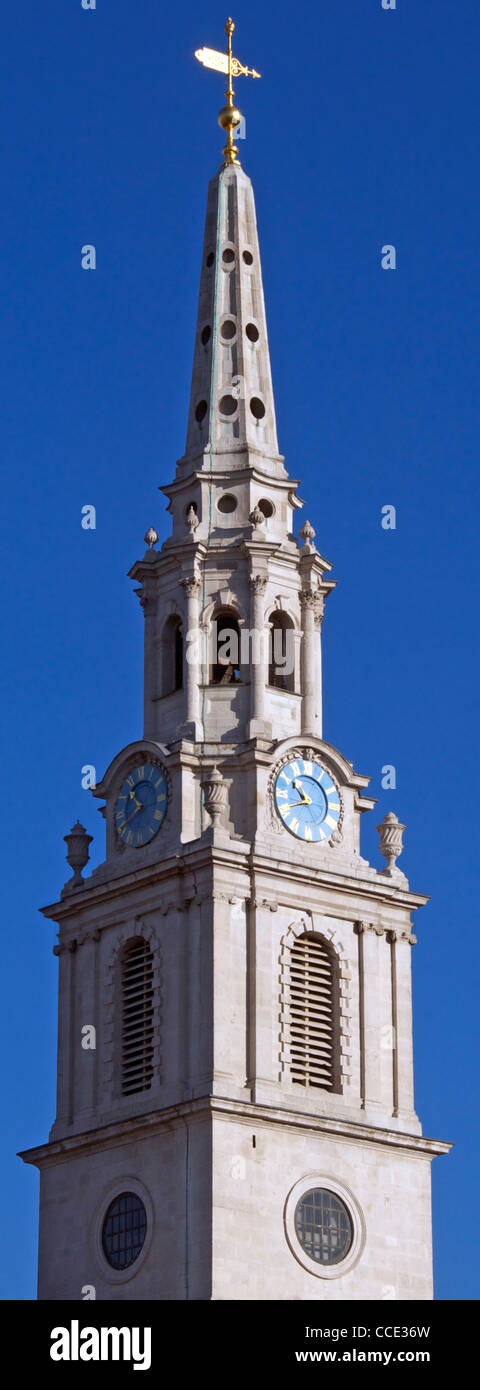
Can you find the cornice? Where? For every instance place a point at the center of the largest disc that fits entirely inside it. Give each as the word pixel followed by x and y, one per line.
pixel 355 887
pixel 142 1126
pixel 198 855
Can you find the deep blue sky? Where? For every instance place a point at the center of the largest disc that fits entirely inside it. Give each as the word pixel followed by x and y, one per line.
pixel 362 131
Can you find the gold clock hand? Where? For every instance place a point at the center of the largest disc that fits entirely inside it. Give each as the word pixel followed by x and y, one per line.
pixel 307 800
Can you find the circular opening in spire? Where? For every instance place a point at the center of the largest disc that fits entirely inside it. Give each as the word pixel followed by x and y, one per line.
pixel 227 405
pixel 248 258
pixel 266 506
pixel 210 259
pixel 227 503
pixel 200 411
pixel 252 332
pixel 206 333
pixel 257 408
pixel 228 330
pixel 228 257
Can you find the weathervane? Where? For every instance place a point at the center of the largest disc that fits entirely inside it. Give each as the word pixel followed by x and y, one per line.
pixel 229 116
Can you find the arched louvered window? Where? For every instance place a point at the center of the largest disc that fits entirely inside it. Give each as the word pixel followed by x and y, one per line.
pixel 313 1010
pixel 137 1017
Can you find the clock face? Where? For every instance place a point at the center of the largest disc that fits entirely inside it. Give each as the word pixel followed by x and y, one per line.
pixel 307 800
pixel 141 805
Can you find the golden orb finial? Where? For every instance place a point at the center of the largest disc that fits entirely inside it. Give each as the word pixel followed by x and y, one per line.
pixel 229 116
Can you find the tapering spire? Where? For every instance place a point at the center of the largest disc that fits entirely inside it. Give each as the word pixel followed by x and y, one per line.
pixel 232 410
pixel 231 422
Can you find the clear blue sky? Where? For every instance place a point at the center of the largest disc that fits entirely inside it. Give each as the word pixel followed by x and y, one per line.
pixel 363 131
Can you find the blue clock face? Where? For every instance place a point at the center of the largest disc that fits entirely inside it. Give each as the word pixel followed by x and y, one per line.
pixel 307 800
pixel 141 805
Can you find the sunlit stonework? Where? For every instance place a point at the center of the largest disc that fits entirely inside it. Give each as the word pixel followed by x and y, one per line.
pixel 244 1127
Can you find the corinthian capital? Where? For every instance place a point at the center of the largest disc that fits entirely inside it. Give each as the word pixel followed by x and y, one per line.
pixel 191 585
pixel 258 583
pixel 312 599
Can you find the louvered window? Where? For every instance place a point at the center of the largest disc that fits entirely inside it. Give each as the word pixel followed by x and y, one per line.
pixel 312 1013
pixel 137 1017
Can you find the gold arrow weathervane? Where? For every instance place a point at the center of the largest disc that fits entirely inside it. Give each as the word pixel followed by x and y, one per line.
pixel 229 116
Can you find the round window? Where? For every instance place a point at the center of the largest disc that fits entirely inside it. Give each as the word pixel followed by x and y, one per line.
pixel 227 503
pixel 323 1226
pixel 227 405
pixel 124 1230
pixel 266 506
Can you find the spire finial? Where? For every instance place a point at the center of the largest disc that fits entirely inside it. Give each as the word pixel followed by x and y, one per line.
pixel 229 116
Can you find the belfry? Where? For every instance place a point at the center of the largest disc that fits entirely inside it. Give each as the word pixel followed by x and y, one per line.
pixel 235 1109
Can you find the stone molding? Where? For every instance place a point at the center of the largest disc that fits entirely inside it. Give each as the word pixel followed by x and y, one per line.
pixel 265 904
pixel 391 933
pixel 98 1140
pixel 92 934
pixel 112 1002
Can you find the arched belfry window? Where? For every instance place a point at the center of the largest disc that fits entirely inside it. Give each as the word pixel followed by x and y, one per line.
pixel 313 1013
pixel 281 657
pixel 225 649
pixel 172 656
pixel 137 1017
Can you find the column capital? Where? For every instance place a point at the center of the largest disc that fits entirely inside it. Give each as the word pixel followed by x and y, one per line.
pixel 258 583
pixel 192 585
pixel 311 599
pixel 361 928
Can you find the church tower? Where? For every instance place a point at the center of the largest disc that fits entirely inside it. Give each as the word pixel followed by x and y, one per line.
pixel 235 1111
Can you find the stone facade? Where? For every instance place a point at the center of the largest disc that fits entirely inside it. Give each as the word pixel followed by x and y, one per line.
pixel 222 1141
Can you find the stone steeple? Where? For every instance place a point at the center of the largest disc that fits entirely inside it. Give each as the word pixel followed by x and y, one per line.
pixel 235 1048
pixel 232 554
pixel 231 417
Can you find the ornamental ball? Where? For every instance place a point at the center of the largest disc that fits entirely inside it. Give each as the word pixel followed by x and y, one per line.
pixel 229 116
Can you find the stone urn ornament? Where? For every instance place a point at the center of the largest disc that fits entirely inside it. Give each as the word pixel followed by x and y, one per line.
pixel 307 534
pixel 215 796
pixel 391 841
pixel 151 537
pixel 192 520
pixel 77 843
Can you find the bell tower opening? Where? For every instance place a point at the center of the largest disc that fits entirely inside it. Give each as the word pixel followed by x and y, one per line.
pixel 281 666
pixel 226 658
pixel 172 656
